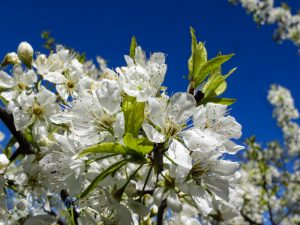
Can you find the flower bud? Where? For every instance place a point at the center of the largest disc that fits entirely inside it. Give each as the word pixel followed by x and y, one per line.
pixel 153 211
pixel 41 59
pixel 25 53
pixel 3 163
pixel 10 58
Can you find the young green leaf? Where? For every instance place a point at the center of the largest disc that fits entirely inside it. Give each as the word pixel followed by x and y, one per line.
pixel 133 45
pixel 198 57
pixel 107 147
pixel 216 83
pixel 209 67
pixel 223 101
pixel 220 89
pixel 133 114
pixel 140 145
pixel 81 57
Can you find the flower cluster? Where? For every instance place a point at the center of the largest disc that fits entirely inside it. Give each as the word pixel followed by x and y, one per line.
pixel 113 144
pixel 285 112
pixel 265 12
pixel 271 178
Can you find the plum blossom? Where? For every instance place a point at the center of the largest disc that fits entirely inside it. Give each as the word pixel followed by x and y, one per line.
pixel 61 165
pixel 142 78
pixel 212 130
pixel 97 116
pixel 35 109
pixel 167 117
pixel 20 82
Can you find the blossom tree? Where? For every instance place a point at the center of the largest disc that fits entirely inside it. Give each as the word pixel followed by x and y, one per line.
pixel 265 12
pixel 93 145
pixel 271 173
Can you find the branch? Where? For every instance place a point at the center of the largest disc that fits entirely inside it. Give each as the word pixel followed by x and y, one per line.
pixel 268 202
pixel 160 213
pixel 24 146
pixel 248 219
pixel 69 203
pixel 141 192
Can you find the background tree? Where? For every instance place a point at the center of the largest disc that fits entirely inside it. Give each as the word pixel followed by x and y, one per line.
pixel 271 172
pixel 266 12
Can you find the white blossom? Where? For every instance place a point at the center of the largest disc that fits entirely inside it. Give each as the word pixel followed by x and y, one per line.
pixel 35 109
pixel 20 82
pixel 142 78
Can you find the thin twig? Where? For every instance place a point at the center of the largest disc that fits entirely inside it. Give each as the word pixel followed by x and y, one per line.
pixel 248 219
pixel 145 184
pixel 268 202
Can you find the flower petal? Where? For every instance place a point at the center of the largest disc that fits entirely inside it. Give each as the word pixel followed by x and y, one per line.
pixel 6 81
pixel 181 107
pixel 199 140
pixel 173 201
pixel 109 95
pixel 152 134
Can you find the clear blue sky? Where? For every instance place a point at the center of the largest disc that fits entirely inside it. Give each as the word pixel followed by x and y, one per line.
pixel 105 28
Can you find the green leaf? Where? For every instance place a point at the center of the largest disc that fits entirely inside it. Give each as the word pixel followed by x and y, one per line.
pixel 133 45
pixel 140 145
pixel 81 57
pixel 110 170
pixel 49 40
pixel 223 101
pixel 108 147
pixel 133 114
pixel 220 89
pixel 209 67
pixel 119 192
pixel 216 84
pixel 28 135
pixel 198 57
pixel 45 34
pixel 2 100
pixel 200 68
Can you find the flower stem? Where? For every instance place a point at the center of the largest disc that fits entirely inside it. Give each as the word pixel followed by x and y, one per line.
pixel 146 181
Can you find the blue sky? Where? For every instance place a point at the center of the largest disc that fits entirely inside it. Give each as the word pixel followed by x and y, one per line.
pixel 105 28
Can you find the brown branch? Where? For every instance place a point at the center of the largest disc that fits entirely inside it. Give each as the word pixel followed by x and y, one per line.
pixel 24 146
pixel 161 211
pixel 248 219
pixel 140 192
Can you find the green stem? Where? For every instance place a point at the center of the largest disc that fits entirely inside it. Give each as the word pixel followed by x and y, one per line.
pixel 165 155
pixel 118 193
pixel 146 181
pixel 100 158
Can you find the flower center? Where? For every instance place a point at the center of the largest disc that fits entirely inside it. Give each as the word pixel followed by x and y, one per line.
pixel 104 122
pixel 38 111
pixel 172 128
pixel 21 86
pixel 169 182
pixel 198 170
pixel 70 85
